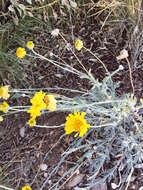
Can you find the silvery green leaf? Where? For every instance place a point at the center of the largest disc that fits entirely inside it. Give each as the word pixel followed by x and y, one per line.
pixel 139 166
pixel 16 96
pixel 21 6
pixel 84 77
pixel 20 11
pixel 64 2
pixel 73 4
pixel 11 8
pixel 77 99
pixel 29 1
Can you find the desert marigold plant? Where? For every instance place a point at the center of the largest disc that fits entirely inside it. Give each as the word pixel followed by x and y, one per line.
pixel 4 92
pixel 78 44
pixel 76 123
pixel 26 188
pixel 110 136
pixel 20 52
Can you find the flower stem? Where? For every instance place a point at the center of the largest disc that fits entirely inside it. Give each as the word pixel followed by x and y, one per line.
pixel 131 77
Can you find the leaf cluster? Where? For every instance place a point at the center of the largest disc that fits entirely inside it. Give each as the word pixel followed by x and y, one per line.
pixel 113 148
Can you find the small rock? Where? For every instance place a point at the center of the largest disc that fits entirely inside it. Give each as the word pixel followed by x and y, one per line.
pixel 75 180
pixel 45 175
pixel 22 132
pixel 102 186
pixel 43 167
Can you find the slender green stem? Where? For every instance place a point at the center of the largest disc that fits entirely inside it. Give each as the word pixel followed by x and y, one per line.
pixel 7 188
pixel 97 59
pixel 49 127
pixel 104 125
pixel 62 66
pixel 131 77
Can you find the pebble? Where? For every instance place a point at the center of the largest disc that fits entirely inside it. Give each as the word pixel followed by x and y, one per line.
pixel 75 180
pixel 102 186
pixel 43 167
pixel 22 132
pixel 45 175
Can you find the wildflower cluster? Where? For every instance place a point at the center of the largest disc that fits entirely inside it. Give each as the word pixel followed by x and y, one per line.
pixel 21 52
pixel 39 102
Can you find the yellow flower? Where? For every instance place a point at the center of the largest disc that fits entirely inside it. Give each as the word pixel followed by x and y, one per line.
pixel 37 105
pixel 38 98
pixel 1 118
pixel 76 123
pixel 20 52
pixel 78 45
pixel 35 110
pixel 32 122
pixel 50 102
pixel 30 44
pixel 4 107
pixel 26 188
pixel 4 92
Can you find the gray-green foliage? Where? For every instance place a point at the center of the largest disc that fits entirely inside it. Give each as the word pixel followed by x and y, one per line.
pixel 112 148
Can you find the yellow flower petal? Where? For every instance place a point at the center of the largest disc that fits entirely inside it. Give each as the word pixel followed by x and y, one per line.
pixel 78 45
pixel 30 44
pixel 50 102
pixel 4 92
pixel 20 52
pixel 26 188
pixel 4 107
pixel 141 100
pixel 31 122
pixel 1 118
pixel 76 123
pixel 37 105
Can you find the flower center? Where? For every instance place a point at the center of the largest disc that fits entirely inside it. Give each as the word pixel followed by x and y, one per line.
pixel 78 124
pixel 46 100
